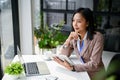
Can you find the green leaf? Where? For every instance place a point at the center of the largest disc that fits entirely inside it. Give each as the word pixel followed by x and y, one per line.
pixel 14 68
pixel 50 38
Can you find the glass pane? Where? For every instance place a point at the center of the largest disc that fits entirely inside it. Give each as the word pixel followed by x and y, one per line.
pixel 102 22
pixel 53 18
pixel 71 5
pixel 69 19
pixel 7 41
pixel 101 5
pixel 115 6
pixel 68 27
pixel 36 12
pixel 36 21
pixel 112 37
pixel 53 4
pixel 80 3
pixel 110 27
pixel 115 21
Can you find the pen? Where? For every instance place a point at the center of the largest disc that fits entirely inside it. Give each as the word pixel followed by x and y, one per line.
pixel 79 36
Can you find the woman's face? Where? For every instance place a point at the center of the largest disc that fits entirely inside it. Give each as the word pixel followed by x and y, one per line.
pixel 79 23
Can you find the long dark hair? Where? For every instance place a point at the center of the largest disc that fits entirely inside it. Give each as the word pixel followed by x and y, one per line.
pixel 88 15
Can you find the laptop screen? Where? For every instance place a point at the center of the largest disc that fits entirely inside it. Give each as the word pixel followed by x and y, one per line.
pixel 20 55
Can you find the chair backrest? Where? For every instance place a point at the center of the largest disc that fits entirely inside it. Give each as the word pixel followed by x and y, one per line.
pixel 114 67
pixel 114 60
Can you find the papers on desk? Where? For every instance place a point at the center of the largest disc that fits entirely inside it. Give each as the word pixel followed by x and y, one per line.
pixel 70 75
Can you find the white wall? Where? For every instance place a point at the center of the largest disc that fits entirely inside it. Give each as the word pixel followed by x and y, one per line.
pixel 25 16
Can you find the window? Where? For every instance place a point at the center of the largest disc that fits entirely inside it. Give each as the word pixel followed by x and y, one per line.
pixel 107 17
pixel 9 30
pixel 6 27
pixel 57 10
pixel 62 10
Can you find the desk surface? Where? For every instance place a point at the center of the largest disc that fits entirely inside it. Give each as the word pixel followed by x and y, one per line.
pixel 56 70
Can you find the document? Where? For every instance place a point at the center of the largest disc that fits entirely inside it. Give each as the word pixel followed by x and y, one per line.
pixel 64 58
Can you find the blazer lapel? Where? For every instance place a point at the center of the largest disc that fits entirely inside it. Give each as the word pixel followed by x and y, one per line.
pixel 86 44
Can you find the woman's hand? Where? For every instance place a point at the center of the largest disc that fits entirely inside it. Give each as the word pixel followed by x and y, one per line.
pixel 63 63
pixel 73 35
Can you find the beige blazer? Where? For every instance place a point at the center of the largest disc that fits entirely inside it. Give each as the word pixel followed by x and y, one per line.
pixel 91 53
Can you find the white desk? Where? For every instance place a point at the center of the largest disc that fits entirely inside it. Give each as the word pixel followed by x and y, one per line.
pixel 55 70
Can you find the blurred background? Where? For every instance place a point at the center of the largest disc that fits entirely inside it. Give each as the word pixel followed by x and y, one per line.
pixel 18 18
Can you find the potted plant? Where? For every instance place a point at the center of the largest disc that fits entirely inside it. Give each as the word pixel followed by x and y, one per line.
pixel 14 70
pixel 50 37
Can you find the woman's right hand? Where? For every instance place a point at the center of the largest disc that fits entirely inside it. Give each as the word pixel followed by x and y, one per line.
pixel 73 35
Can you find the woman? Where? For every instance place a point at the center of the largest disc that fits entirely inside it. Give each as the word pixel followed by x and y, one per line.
pixel 86 42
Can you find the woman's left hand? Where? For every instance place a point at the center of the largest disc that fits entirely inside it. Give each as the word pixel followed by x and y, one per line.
pixel 63 63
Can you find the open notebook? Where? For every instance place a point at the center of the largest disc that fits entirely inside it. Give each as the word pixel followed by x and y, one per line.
pixel 33 68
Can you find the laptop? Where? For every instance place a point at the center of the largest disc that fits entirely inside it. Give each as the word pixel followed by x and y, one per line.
pixel 33 68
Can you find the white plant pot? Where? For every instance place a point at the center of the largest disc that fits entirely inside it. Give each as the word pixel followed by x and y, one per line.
pixel 47 53
pixel 12 77
pixel 58 49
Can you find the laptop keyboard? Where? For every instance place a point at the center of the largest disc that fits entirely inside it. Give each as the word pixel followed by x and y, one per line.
pixel 31 68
